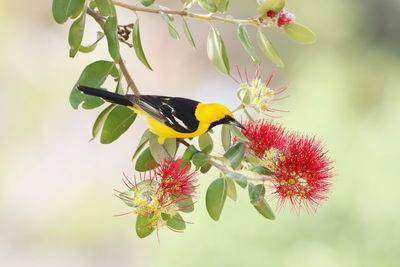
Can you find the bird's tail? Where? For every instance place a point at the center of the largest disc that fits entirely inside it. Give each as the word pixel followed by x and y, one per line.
pixel 106 95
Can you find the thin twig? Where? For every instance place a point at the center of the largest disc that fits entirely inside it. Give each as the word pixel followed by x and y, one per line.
pixel 131 84
pixel 254 21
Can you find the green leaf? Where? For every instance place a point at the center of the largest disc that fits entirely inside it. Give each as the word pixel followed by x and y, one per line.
pixel 247 97
pixel 232 194
pixel 145 161
pixel 63 9
pixel 199 159
pixel 215 197
pixel 143 225
pixel 176 222
pixel 147 2
pixel 137 44
pixel 93 75
pixel 90 48
pixel 98 124
pixel 222 5
pixel 116 123
pixel 226 137
pixel 110 30
pixel 261 170
pixel 127 197
pixel 238 178
pixel 235 155
pixel 238 133
pixel 106 7
pixel 274 5
pixel 171 28
pixel 256 194
pixel 187 33
pixel 216 51
pixel 76 34
pixel 187 3
pixel 300 33
pixel 186 204
pixel 188 154
pixel 205 168
pixel 162 152
pixel 244 38
pixel 268 49
pixel 208 5
pixel 142 142
pixel 205 143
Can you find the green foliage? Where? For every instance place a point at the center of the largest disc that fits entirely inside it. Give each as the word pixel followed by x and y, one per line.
pixel 145 161
pixel 199 159
pixel 244 38
pixel 90 48
pixel 235 154
pixel 300 33
pixel 93 75
pixel 171 28
pixel 162 152
pixel 98 124
pixel 208 5
pixel 110 30
pixel 261 170
pixel 274 5
pixel 215 197
pixel 232 194
pixel 143 141
pixel 188 33
pixel 76 34
pixel 116 123
pixel 147 2
pixel 226 137
pixel 143 225
pixel 216 51
pixel 240 179
pixel 137 44
pixel 106 7
pixel 206 143
pixel 267 47
pixel 63 9
pixel 256 194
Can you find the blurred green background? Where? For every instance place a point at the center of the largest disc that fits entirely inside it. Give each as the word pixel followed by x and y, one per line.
pixel 56 198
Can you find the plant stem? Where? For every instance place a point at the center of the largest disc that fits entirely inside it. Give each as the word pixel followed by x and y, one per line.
pixel 100 20
pixel 209 17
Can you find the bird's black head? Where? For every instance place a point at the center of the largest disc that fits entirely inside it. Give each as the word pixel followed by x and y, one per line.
pixel 227 120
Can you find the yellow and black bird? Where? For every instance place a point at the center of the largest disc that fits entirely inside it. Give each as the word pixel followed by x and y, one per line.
pixel 170 117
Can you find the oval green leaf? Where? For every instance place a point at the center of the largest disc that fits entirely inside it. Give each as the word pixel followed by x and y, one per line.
pixel 186 204
pixel 188 154
pixel 176 222
pixel 208 5
pixel 235 155
pixel 117 122
pixel 238 133
pixel 142 142
pixel 63 9
pixel 93 75
pixel 199 159
pixel 145 161
pixel 205 168
pixel 222 5
pixel 232 193
pixel 215 197
pixel 143 225
pixel 106 7
pixel 188 33
pixel 137 44
pixel 226 137
pixel 162 152
pixel 171 28
pixel 110 30
pixel 147 2
pixel 265 209
pixel 205 143
pixel 261 170
pixel 244 38
pixel 98 124
pixel 274 5
pixel 268 49
pixel 216 51
pixel 300 33
pixel 127 197
pixel 76 34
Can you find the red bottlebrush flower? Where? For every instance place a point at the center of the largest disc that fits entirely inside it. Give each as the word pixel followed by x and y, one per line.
pixel 284 18
pixel 271 14
pixel 162 194
pixel 264 137
pixel 175 179
pixel 302 173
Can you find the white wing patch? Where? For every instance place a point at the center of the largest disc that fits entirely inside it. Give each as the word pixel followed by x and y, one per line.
pixel 181 123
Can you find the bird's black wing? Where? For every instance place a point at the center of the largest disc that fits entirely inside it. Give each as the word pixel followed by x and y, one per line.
pixel 175 112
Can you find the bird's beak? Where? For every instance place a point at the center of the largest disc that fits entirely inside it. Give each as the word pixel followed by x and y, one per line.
pixel 238 124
